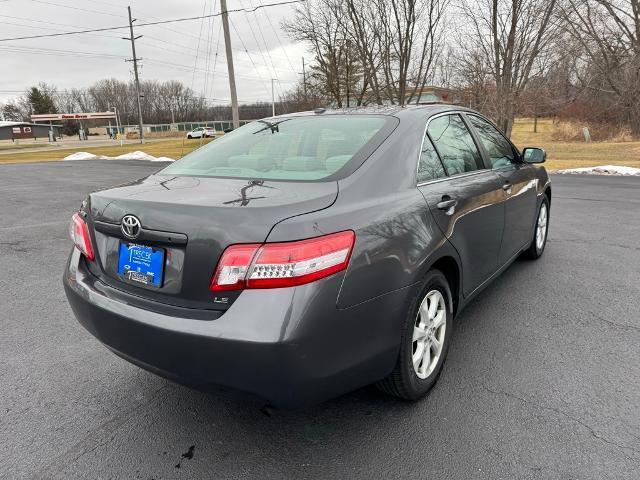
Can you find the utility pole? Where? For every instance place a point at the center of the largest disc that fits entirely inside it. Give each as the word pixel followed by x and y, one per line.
pixel 273 101
pixel 304 80
pixel 232 76
pixel 135 71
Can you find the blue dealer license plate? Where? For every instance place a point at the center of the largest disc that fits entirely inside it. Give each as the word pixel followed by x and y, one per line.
pixel 141 264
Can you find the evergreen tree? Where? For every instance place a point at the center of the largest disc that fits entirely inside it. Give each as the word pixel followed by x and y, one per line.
pixel 41 100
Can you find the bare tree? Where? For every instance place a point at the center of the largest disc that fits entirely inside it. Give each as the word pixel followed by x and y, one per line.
pixel 363 29
pixel 383 51
pixel 510 35
pixel 474 80
pixel 409 34
pixel 11 112
pixel 320 25
pixel 609 32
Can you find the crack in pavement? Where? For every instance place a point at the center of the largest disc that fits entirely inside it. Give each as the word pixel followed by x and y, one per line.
pixel 624 326
pixel 570 417
pixel 599 241
pixel 593 199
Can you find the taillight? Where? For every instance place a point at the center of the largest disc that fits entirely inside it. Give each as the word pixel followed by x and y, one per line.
pixel 232 267
pixel 272 265
pixel 79 232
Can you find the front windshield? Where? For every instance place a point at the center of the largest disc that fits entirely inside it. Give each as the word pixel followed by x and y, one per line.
pixel 294 148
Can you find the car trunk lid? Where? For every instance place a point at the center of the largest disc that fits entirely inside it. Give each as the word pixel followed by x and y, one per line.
pixel 192 220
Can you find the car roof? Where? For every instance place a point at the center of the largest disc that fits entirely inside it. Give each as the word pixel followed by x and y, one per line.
pixel 404 111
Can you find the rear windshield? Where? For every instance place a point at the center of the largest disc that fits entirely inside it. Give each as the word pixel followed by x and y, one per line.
pixel 295 148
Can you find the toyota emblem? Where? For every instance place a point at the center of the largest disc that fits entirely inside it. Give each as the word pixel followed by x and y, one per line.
pixel 130 226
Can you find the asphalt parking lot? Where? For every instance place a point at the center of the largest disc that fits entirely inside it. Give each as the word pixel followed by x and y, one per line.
pixel 542 378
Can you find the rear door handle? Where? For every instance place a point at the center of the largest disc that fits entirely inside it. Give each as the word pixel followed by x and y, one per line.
pixel 447 203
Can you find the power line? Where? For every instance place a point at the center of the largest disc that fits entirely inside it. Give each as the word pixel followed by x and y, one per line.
pixel 275 31
pixel 161 22
pixel 245 48
pixel 78 8
pixel 75 53
pixel 87 54
pixel 267 49
pixel 255 38
pixel 106 29
pixel 208 54
pixel 58 53
pixel 174 44
pixel 38 27
pixel 193 77
pixel 189 68
pixel 33 20
pixel 191 55
pixel 48 22
pixel 215 61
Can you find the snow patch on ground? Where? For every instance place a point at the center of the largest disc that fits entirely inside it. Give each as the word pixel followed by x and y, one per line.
pixel 81 156
pixel 137 155
pixel 605 170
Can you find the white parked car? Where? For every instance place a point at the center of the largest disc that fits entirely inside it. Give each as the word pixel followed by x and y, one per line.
pixel 202 132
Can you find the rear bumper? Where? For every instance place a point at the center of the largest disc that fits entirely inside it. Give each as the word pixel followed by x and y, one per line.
pixel 289 346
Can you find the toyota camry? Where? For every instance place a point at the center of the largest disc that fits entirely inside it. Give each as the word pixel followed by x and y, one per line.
pixel 303 256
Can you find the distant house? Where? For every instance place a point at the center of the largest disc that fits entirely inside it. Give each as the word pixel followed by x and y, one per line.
pixel 18 130
pixel 427 94
pixel 432 94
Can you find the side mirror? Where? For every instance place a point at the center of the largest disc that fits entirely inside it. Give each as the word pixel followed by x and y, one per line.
pixel 534 155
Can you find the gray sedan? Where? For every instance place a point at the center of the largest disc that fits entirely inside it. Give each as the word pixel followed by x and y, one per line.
pixel 303 256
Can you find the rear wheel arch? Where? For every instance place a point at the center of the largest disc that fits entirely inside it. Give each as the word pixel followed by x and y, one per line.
pixel 451 270
pixel 404 380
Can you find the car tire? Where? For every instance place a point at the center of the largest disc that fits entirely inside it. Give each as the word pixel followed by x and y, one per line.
pixel 412 380
pixel 189 137
pixel 540 232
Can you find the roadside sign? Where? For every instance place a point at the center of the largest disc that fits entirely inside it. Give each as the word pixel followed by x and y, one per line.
pixel 72 116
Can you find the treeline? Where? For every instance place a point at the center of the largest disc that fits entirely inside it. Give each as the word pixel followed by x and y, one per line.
pixel 161 102
pixel 568 58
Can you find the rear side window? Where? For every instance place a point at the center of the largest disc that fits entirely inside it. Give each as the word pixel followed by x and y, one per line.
pixel 294 148
pixel 429 167
pixel 455 144
pixel 498 148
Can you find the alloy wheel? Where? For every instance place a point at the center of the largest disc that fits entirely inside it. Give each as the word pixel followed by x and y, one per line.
pixel 428 333
pixel 541 228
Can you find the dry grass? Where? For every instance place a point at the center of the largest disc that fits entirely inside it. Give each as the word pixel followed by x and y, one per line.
pixel 159 148
pixel 566 131
pixel 560 153
pixel 165 134
pixel 572 154
pixel 13 146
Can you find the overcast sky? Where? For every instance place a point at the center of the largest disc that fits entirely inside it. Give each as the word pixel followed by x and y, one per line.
pixel 183 51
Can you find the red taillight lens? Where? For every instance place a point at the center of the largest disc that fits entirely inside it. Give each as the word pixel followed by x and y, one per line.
pixel 232 267
pixel 79 232
pixel 273 265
